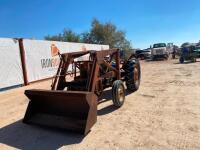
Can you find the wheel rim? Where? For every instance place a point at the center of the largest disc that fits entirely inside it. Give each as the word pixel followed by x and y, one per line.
pixel 136 75
pixel 121 94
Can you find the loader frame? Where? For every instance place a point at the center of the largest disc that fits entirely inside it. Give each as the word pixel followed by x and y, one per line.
pixel 97 58
pixel 72 105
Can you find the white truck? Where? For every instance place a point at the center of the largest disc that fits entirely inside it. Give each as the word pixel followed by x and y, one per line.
pixel 160 50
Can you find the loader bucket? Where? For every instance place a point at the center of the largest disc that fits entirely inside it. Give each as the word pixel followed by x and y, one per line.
pixel 70 110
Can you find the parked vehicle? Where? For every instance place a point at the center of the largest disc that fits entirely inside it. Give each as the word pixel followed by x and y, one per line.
pixel 188 53
pixel 159 50
pixel 197 50
pixel 143 54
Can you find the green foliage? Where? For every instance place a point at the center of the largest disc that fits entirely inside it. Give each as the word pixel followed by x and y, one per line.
pixel 100 33
pixel 106 34
pixel 67 36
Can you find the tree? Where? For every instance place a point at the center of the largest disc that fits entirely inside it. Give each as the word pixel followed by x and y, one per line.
pixel 106 33
pixel 100 33
pixel 67 36
pixel 86 38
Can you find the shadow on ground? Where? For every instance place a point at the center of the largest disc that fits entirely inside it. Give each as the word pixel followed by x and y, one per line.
pixel 107 96
pixel 23 136
pixel 31 137
pixel 154 60
pixel 186 62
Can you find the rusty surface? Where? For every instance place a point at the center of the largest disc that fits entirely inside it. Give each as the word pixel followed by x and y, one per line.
pixel 69 110
pixel 53 86
pixel 22 56
pixel 73 105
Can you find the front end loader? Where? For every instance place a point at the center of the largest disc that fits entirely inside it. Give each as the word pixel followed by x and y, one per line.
pixel 72 105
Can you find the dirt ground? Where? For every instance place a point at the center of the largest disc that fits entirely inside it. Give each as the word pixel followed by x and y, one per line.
pixel 163 114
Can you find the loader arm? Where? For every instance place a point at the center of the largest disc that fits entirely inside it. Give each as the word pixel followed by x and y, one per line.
pixel 65 61
pixel 73 105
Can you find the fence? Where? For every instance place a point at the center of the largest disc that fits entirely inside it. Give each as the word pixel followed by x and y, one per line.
pixel 23 61
pixel 10 63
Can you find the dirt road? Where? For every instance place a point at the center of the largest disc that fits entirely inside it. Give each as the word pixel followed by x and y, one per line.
pixel 163 114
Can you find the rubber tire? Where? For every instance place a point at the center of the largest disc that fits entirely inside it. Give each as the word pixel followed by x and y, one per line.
pixel 129 75
pixel 115 97
pixel 181 60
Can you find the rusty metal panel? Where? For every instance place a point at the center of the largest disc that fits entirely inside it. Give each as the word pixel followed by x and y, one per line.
pixel 76 108
pixel 70 110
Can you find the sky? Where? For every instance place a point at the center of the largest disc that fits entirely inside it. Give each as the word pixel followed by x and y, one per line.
pixel 144 21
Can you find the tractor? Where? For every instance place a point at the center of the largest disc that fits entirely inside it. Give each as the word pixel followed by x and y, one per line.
pixel 188 53
pixel 72 105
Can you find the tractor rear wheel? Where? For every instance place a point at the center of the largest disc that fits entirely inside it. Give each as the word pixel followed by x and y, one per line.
pixel 118 93
pixel 132 75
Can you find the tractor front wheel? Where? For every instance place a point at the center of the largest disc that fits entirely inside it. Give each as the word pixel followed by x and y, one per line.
pixel 118 93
